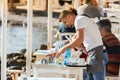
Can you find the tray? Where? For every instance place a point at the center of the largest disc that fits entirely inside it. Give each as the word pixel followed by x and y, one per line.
pixel 69 65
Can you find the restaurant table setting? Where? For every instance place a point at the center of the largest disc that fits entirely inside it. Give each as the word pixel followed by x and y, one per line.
pixel 74 64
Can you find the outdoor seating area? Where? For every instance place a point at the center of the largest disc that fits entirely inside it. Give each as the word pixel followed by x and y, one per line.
pixel 57 69
pixel 39 35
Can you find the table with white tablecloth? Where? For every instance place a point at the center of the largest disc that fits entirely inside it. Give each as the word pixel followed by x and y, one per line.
pixel 43 78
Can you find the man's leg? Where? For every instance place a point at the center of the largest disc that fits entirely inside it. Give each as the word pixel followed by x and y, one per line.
pixel 98 76
pixel 85 74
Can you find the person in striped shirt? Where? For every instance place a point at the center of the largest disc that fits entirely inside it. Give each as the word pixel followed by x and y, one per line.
pixel 112 45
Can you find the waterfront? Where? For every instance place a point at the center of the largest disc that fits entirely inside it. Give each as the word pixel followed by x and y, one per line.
pixel 17 34
pixel 17 38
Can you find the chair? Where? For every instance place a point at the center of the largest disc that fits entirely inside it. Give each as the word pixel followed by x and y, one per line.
pixel 66 34
pixel 59 34
pixel 116 29
pixel 49 70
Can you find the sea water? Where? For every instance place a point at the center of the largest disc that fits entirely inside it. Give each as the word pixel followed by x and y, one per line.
pixel 17 38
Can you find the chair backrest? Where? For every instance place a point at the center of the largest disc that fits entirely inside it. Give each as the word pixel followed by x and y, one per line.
pixel 65 34
pixel 49 70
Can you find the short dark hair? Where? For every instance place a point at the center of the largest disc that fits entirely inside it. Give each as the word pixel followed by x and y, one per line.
pixel 87 1
pixel 64 13
pixel 73 10
pixel 106 24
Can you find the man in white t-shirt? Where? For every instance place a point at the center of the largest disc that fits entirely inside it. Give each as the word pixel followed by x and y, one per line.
pixel 93 44
pixel 87 32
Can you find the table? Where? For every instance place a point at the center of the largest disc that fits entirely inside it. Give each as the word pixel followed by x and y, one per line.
pixel 42 78
pixel 41 54
pixel 15 73
pixel 77 71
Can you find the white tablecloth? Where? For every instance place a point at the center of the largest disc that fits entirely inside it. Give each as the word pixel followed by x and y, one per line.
pixel 41 78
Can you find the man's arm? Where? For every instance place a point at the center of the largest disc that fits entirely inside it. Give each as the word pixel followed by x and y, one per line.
pixel 74 43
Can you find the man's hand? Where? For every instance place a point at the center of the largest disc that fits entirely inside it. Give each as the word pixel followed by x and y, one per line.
pixel 54 54
pixel 51 54
pixel 59 52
